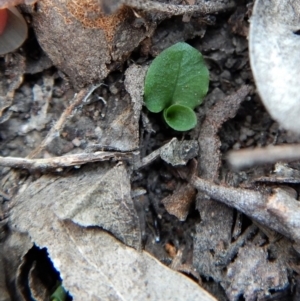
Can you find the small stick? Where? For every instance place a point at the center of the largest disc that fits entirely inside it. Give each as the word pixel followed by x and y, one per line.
pixel 152 156
pixel 225 258
pixel 63 161
pixel 269 155
pixel 277 211
pixel 5 195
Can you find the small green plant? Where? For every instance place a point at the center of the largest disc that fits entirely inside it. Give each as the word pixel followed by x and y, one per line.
pixel 59 294
pixel 176 82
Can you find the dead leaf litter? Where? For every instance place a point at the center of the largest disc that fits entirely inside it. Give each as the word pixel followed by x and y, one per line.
pixel 100 195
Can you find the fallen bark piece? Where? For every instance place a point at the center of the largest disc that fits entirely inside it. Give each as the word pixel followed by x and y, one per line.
pixel 172 9
pixel 134 85
pixel 252 275
pixel 214 232
pixel 209 142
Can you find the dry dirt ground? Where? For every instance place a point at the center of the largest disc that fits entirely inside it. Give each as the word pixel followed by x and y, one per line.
pixel 231 254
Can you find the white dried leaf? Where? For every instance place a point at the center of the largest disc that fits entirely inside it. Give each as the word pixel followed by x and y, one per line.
pixel 274 44
pixel 89 197
pixel 95 266
pixel 92 263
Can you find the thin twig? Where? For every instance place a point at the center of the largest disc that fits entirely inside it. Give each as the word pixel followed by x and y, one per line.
pixel 153 155
pixel 63 161
pixel 174 152
pixel 277 211
pixel 269 155
pixel 5 196
pixel 225 258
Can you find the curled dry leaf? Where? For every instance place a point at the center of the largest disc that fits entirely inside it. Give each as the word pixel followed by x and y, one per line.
pixel 274 54
pixel 14 30
pixel 12 250
pixel 209 141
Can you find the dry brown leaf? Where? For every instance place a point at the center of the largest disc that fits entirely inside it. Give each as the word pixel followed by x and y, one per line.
pixel 82 42
pixel 180 201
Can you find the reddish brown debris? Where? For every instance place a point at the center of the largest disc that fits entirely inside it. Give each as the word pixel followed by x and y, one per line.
pixel 10 3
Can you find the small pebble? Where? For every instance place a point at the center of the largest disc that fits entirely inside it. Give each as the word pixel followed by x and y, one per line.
pixel 76 142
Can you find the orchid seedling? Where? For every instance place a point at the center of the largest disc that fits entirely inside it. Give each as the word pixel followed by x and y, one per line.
pixel 176 83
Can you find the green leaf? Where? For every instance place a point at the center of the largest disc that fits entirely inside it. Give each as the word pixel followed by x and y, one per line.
pixel 177 76
pixel 180 118
pixel 59 295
